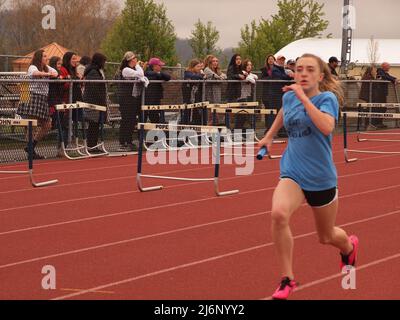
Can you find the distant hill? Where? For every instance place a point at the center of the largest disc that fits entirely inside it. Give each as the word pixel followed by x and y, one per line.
pixel 183 50
pixel 185 53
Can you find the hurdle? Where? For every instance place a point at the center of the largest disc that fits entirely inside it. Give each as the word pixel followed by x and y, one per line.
pixel 253 112
pixel 239 108
pixel 365 115
pixel 176 108
pixel 81 149
pixel 162 127
pixel 27 123
pixel 378 135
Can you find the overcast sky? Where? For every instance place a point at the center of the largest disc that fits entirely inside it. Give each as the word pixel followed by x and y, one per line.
pixel 377 18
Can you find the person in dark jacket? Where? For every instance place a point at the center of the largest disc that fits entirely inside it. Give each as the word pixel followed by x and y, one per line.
pixel 279 73
pixel 234 72
pixel 56 96
pixel 155 91
pixel 56 90
pixel 383 74
pixel 193 92
pixel 266 74
pixel 333 64
pixel 370 92
pixel 95 93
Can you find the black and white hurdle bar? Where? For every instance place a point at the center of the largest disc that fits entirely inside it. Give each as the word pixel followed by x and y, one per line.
pixel 378 135
pixel 178 107
pixel 162 127
pixel 360 115
pixel 81 149
pixel 254 112
pixel 27 124
pixel 220 109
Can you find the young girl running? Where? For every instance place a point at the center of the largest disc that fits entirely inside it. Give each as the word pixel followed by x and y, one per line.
pixel 310 111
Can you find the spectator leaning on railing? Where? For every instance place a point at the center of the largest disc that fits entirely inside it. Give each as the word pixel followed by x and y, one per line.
pixel 38 106
pixel 383 74
pixel 80 69
pixel 213 72
pixel 279 73
pixel 234 73
pixel 155 91
pixel 129 97
pixel 69 71
pixel 95 93
pixel 56 96
pixel 370 92
pixel 246 93
pixel 193 92
pixel 266 74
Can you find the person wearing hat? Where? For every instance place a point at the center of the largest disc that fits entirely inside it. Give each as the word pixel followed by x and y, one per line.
pixel 333 64
pixel 129 98
pixel 290 67
pixel 279 73
pixel 155 91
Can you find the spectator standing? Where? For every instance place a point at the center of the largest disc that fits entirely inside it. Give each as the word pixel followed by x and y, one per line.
pixel 383 74
pixel 193 92
pixel 129 97
pixel 370 92
pixel 56 90
pixel 80 69
pixel 95 93
pixel 279 73
pixel 213 73
pixel 290 67
pixel 247 90
pixel 38 106
pixel 333 64
pixel 234 73
pixel 155 91
pixel 68 71
pixel 267 88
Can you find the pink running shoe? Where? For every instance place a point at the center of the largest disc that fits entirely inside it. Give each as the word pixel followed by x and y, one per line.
pixel 285 289
pixel 350 260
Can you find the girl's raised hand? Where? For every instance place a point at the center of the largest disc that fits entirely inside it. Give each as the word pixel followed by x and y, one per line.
pixel 297 89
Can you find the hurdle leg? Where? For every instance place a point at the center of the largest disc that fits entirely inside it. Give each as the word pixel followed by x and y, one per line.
pixel 216 172
pixel 139 166
pixel 76 133
pixel 101 145
pixel 30 162
pixel 348 160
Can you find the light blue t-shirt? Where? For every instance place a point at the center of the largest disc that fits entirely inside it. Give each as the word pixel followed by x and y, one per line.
pixel 308 157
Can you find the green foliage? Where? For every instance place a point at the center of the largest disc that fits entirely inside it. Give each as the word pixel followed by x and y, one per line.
pixel 296 19
pixel 203 40
pixel 142 27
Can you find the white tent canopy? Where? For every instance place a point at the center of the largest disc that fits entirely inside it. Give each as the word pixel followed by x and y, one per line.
pixel 388 49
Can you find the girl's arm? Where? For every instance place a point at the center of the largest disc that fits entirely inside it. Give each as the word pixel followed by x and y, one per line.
pixel 130 73
pixel 53 72
pixel 323 121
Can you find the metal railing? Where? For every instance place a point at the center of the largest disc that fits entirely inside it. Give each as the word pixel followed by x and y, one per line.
pixel 17 89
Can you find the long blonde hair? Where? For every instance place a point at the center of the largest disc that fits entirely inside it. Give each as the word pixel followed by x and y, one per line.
pixel 208 63
pixel 328 83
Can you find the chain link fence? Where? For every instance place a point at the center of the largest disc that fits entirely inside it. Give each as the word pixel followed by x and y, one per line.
pixel 22 97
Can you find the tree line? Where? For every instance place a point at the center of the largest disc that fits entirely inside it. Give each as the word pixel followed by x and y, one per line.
pixel 143 26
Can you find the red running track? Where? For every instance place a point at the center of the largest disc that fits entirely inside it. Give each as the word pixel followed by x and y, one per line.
pixel 109 241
